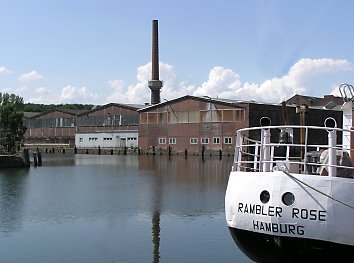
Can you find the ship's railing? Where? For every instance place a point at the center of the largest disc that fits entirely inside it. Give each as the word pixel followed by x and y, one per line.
pixel 298 149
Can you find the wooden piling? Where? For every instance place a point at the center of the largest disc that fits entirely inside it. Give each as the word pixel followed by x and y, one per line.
pixel 35 160
pixel 39 157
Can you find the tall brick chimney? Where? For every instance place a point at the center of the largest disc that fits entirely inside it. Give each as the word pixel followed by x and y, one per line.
pixel 155 84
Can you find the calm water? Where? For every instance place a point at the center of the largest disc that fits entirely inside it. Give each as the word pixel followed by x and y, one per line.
pixel 90 208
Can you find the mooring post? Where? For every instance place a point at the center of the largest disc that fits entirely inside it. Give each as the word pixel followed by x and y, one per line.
pixel 35 160
pixel 26 157
pixel 39 156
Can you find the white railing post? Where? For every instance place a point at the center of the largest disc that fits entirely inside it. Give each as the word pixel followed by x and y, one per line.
pixel 332 152
pixel 266 150
pixel 238 154
pixel 256 157
pixel 331 124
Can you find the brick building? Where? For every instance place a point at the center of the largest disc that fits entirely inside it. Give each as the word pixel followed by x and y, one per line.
pixel 51 127
pixel 191 123
pixel 195 123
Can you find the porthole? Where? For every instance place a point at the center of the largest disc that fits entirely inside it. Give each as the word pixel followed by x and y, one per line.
pixel 288 198
pixel 265 196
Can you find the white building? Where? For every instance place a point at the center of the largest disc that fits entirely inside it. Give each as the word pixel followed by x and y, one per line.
pixel 112 139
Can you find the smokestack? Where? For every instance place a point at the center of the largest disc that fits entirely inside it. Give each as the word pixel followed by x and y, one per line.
pixel 155 84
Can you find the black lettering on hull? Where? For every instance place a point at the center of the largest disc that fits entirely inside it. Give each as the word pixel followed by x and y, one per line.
pixel 281 228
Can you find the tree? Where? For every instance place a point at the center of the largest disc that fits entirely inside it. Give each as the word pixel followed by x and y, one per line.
pixel 11 120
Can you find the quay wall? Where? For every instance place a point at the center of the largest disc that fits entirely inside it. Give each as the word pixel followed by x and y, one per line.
pixel 14 161
pixel 127 151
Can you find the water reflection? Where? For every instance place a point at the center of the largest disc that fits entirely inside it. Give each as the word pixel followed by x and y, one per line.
pixel 196 177
pixel 12 199
pixel 121 206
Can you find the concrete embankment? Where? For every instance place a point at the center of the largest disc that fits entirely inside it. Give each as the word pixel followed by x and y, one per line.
pixel 15 160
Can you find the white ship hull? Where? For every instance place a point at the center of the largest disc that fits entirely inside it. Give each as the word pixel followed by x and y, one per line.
pixel 317 224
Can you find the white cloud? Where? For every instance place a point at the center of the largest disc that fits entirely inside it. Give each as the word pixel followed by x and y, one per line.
pixel 33 75
pixel 21 89
pixel 43 96
pixel 68 94
pixel 222 83
pixel 4 71
pixel 346 90
pixel 140 93
pixel 43 91
pixel 225 83
pixel 116 84
pixel 71 94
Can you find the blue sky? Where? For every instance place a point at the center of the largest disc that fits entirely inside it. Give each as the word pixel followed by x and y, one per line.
pixel 99 51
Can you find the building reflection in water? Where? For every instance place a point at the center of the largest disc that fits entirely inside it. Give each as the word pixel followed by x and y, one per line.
pixel 200 179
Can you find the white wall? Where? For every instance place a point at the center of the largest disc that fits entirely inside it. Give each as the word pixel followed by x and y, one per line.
pixel 107 139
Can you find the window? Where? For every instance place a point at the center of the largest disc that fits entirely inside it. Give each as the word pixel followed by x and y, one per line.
pixel 205 116
pixel 228 140
pixel 205 140
pixel 194 141
pixel 239 115
pixel 182 116
pixel 81 139
pixel 162 117
pixel 228 115
pixel 172 117
pixel 172 140
pixel 193 116
pixel 152 117
pixel 162 140
pixel 216 140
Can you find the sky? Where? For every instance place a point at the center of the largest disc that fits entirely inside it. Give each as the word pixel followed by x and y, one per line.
pixel 99 51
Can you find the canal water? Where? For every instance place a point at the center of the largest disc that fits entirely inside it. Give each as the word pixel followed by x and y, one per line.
pixel 104 209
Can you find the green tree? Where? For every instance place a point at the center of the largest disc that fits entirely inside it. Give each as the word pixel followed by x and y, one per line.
pixel 11 120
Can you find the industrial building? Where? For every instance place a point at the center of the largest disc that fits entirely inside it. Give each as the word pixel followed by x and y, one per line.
pixel 52 127
pixel 109 126
pixel 186 124
pixel 189 123
pixel 196 124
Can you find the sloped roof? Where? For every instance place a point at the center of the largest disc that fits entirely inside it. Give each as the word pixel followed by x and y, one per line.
pixel 70 112
pixel 201 98
pixel 126 106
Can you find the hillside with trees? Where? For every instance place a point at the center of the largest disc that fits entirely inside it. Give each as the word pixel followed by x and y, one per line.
pixel 32 107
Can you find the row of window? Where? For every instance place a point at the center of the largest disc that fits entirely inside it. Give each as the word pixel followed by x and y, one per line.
pixel 216 140
pixel 108 120
pixel 213 115
pixel 108 139
pixel 50 123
